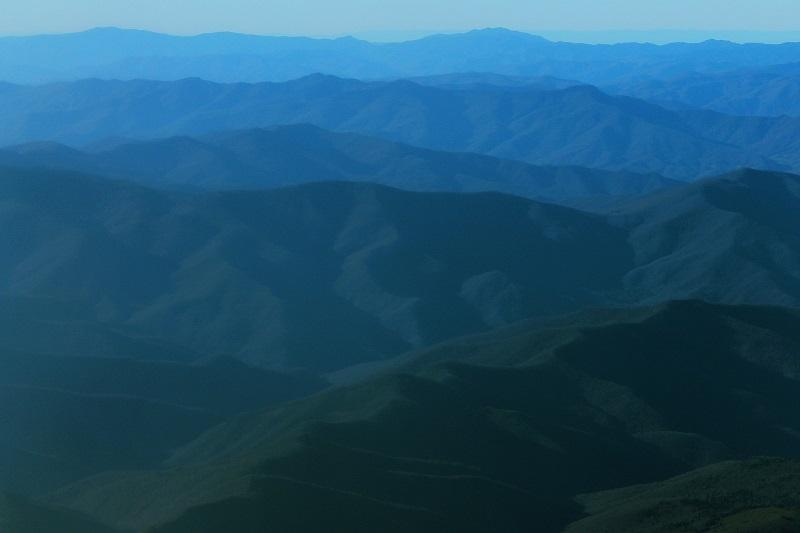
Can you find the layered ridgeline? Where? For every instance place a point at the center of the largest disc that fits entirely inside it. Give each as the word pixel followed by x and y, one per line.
pixel 321 276
pixel 765 91
pixel 769 91
pixel 573 126
pixel 126 54
pixel 326 276
pixel 499 432
pixel 293 155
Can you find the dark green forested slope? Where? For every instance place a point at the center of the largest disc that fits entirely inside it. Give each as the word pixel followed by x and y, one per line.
pixel 500 431
pixel 756 496
pixel 64 418
pixel 18 515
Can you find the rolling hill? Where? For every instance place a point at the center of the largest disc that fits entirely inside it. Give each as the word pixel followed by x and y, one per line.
pixel 573 126
pixel 487 433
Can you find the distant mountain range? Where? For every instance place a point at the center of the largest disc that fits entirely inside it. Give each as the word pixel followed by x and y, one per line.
pixel 336 274
pixel 521 420
pixel 228 57
pixel 293 155
pixel 573 126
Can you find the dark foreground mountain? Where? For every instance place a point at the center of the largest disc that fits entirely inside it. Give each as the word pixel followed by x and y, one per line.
pixel 293 155
pixel 18 515
pixel 228 57
pixel 574 126
pixel 757 496
pixel 325 276
pixel 63 418
pixel 492 433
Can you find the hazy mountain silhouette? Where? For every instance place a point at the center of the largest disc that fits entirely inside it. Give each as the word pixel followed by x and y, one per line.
pixel 229 57
pixel 574 126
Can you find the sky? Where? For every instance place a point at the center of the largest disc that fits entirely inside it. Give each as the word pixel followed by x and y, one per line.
pixel 396 19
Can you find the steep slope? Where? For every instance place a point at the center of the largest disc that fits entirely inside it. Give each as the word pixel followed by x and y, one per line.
pixel 496 432
pixel 718 239
pixel 292 155
pixel 757 496
pixel 573 126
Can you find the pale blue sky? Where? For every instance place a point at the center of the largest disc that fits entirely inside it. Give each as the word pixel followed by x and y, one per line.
pixel 331 17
